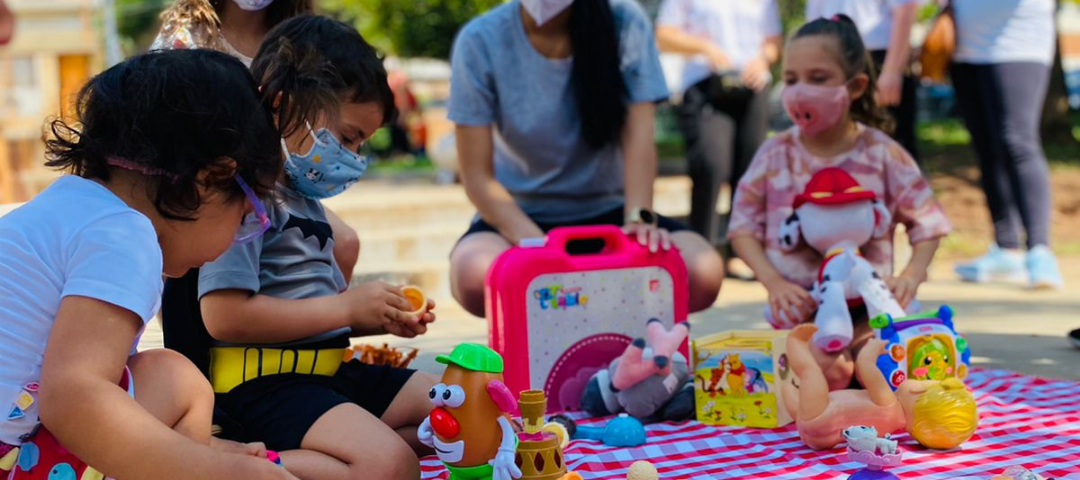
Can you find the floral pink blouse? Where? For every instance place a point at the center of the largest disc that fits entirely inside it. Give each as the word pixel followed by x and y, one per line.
pixel 782 168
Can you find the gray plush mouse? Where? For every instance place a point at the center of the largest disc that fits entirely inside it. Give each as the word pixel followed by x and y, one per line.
pixel 655 387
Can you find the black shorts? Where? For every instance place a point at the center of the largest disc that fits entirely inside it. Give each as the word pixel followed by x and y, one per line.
pixel 613 217
pixel 278 410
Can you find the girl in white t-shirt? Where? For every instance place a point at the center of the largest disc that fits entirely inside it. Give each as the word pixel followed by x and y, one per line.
pixel 159 173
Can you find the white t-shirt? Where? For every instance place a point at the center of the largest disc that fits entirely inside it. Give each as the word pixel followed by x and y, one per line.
pixel 873 17
pixel 739 27
pixel 75 238
pixel 1005 31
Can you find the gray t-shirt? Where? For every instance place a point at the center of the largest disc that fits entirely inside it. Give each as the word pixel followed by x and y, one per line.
pixel 293 260
pixel 499 79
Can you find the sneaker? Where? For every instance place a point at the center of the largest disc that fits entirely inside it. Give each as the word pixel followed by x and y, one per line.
pixel 996 265
pixel 1042 269
pixel 1074 337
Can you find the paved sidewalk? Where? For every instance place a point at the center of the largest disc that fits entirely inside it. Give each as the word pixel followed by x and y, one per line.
pixel 1008 327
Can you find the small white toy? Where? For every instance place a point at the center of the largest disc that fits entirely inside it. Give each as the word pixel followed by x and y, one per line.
pixel 865 439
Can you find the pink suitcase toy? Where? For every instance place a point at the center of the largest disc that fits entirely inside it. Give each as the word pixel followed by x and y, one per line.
pixel 556 318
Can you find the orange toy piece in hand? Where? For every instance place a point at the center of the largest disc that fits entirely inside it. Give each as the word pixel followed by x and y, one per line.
pixel 416 299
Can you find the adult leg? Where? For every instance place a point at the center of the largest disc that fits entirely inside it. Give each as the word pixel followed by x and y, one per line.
pixel 170 387
pixel 709 134
pixel 469 264
pixel 349 443
pixel 704 268
pixel 980 106
pixel 1022 89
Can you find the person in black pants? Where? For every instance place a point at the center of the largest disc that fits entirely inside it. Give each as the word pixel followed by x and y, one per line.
pixel 1001 74
pixel 724 111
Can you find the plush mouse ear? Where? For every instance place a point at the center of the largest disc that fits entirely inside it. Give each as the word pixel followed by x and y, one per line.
pixel 882 220
pixel 790 233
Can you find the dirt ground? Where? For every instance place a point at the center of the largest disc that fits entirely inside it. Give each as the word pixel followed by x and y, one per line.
pixel 958 189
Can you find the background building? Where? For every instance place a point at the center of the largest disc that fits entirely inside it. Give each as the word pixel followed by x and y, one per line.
pixel 56 48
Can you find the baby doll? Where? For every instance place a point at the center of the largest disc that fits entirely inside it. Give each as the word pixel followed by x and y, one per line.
pixel 939 415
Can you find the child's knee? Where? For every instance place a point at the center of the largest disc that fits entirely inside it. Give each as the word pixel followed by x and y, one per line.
pixel 163 365
pixel 396 460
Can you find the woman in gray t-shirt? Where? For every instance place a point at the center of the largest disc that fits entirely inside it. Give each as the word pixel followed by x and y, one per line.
pixel 554 104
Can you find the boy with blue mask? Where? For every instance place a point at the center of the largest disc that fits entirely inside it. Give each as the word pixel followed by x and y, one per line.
pixel 279 310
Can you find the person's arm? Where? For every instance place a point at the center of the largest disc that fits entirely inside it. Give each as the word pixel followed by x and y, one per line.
pixel 346 244
pixel 914 206
pixel 906 285
pixel 756 73
pixel 673 40
pixel 891 80
pixel 476 150
pixel 639 173
pixel 83 406
pixel 238 316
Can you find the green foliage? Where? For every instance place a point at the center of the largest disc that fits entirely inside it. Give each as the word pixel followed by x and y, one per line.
pixel 137 22
pixel 792 14
pixel 413 28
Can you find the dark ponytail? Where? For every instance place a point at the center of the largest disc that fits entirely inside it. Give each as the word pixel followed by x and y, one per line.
pixel 855 59
pixel 596 76
pixel 308 65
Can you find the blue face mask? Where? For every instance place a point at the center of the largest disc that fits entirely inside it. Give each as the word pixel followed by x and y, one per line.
pixel 326 170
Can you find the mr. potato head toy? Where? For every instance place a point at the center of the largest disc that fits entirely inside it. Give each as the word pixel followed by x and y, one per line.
pixel 470 427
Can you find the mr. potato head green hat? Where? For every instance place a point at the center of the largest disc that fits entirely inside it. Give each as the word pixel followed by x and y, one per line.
pixel 471 356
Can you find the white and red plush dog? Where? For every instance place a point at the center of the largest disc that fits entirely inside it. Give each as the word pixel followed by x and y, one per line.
pixel 835 216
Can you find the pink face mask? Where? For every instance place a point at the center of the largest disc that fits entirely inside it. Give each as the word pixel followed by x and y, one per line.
pixel 815 108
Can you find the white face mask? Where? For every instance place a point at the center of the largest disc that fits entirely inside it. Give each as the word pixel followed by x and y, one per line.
pixel 253 5
pixel 544 10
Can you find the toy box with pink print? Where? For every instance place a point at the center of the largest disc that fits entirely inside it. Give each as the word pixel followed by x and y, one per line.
pixel 562 308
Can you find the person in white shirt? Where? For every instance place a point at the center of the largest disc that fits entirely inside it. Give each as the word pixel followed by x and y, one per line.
pixel 885 26
pixel 1001 71
pixel 165 155
pixel 730 47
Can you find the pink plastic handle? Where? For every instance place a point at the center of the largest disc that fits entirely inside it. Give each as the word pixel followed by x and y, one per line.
pixel 614 238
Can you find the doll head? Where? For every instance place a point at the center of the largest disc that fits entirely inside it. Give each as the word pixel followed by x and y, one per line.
pixel 944 416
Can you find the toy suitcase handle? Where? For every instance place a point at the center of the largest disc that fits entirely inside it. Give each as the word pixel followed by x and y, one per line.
pixel 614 238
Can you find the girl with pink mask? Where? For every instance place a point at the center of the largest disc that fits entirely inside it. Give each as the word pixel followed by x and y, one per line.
pixel 829 94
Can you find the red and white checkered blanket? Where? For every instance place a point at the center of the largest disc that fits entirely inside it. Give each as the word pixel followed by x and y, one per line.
pixel 1024 420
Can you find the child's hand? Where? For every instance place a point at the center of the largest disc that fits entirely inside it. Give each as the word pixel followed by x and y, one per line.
pixel 254 449
pixel 377 306
pixel 413 329
pixel 242 466
pixel 786 298
pixel 904 288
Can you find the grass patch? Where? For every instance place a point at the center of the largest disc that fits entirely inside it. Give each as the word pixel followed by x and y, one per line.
pixel 402 165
